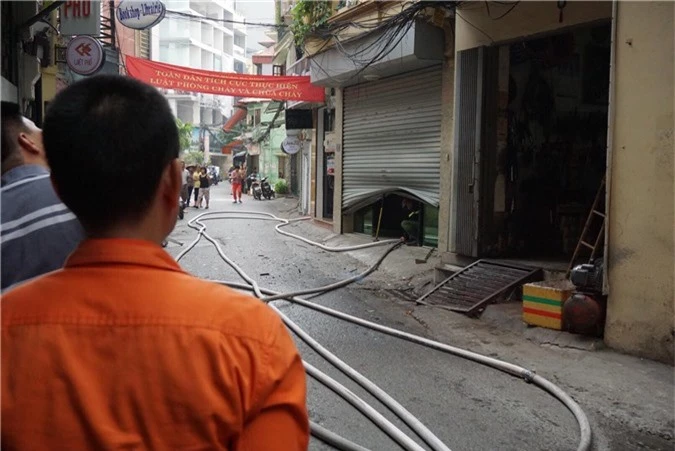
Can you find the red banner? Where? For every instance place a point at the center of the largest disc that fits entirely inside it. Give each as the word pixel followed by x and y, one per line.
pixel 181 78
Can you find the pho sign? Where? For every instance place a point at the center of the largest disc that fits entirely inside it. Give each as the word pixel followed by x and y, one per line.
pixel 85 55
pixel 81 17
pixel 140 15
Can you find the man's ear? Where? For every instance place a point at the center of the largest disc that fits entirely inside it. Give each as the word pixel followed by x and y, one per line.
pixel 172 181
pixel 28 144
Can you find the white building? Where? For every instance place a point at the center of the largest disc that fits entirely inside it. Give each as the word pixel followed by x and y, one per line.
pixel 216 45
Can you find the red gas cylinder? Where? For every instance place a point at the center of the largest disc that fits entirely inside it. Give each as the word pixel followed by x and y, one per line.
pixel 584 313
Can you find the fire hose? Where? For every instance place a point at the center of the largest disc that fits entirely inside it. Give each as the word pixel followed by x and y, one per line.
pixel 379 420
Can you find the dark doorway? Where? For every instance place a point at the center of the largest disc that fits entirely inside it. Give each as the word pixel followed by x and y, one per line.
pixel 328 167
pixel 554 157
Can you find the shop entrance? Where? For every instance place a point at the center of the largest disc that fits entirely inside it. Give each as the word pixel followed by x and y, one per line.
pixel 542 143
pixel 399 215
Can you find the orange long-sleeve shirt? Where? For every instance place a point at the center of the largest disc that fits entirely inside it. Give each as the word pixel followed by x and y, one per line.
pixel 124 350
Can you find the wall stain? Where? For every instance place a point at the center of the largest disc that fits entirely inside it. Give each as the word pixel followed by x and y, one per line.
pixel 619 255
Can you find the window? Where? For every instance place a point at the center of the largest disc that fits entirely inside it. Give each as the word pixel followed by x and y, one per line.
pixel 278 70
pixel 258 69
pixel 164 53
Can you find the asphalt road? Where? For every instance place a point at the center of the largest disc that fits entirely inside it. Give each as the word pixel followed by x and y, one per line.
pixel 469 406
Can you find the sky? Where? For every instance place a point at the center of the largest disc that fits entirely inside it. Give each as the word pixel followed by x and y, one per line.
pixel 261 11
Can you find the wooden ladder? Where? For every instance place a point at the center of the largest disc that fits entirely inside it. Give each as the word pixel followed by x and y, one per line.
pixel 593 245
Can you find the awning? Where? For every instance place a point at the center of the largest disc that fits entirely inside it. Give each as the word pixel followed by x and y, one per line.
pixel 240 154
pixel 231 147
pixel 237 116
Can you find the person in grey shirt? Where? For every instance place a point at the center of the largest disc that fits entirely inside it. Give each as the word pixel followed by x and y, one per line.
pixel 38 232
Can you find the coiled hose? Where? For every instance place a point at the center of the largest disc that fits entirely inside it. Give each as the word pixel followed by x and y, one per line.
pixel 320 432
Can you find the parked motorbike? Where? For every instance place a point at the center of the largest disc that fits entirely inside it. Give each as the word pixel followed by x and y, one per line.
pixel 266 189
pixel 256 189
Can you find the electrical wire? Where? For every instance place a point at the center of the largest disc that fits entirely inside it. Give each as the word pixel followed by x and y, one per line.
pixel 492 41
pixel 178 14
pixel 388 33
pixel 507 11
pixel 514 370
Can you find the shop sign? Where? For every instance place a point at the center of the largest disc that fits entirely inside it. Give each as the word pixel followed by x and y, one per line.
pixel 140 15
pixel 80 17
pixel 298 119
pixel 291 145
pixel 85 55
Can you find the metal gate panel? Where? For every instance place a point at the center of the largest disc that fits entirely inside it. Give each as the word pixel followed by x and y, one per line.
pixel 392 138
pixel 488 150
pixel 472 288
pixel 467 143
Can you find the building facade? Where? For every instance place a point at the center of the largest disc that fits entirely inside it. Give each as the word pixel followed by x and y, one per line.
pixel 217 45
pixel 504 125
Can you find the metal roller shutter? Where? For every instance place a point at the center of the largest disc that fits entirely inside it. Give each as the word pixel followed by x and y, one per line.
pixel 392 138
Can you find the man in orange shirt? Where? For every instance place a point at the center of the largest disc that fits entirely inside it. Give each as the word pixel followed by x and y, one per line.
pixel 122 348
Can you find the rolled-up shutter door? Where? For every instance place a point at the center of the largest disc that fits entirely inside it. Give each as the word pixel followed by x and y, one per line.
pixel 392 138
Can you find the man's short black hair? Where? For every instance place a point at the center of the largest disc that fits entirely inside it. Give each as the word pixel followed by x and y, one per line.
pixel 12 121
pixel 108 139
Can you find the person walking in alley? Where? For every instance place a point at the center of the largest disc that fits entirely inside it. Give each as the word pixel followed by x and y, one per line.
pixel 237 180
pixel 204 188
pixel 190 185
pixel 122 348
pixel 184 192
pixel 196 183
pixel 38 231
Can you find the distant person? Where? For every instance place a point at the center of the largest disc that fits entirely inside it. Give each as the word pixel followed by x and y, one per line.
pixel 411 225
pixel 229 177
pixel 237 180
pixel 122 349
pixel 196 182
pixel 204 189
pixel 38 230
pixel 184 192
pixel 190 186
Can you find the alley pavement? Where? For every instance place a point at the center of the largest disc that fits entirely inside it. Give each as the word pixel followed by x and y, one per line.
pixel 629 401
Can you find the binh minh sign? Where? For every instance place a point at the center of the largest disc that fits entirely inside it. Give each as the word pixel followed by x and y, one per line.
pixel 168 76
pixel 140 15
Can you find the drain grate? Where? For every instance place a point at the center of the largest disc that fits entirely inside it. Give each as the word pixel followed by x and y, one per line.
pixel 471 289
